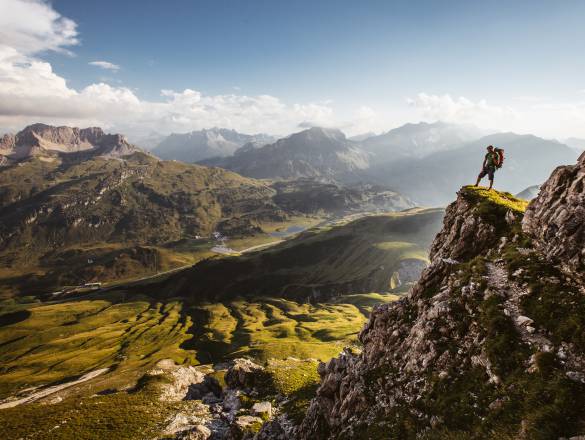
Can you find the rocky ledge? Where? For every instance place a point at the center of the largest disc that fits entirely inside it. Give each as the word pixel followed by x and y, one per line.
pixel 490 343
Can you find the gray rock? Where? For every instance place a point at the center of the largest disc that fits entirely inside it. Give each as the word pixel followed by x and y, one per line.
pixel 262 409
pixel 244 374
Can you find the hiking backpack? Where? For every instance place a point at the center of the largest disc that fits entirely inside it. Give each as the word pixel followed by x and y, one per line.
pixel 500 153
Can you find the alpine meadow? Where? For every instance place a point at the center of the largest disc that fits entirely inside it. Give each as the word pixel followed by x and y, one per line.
pixel 330 220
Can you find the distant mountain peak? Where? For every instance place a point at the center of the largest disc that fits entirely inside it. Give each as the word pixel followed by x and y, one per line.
pixel 206 143
pixel 42 139
pixel 317 152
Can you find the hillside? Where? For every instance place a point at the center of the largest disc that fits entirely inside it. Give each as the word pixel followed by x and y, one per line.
pixel 204 144
pixel 433 180
pixel 373 254
pixel 489 344
pixel 320 153
pixel 124 361
pixel 54 213
pixel 98 217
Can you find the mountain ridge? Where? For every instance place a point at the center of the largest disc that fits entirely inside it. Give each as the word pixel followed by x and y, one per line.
pixel 42 139
pixel 204 144
pixel 321 153
pixel 479 347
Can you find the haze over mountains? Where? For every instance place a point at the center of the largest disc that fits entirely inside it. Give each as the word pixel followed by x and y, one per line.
pixel 419 140
pixel 204 144
pixel 426 162
pixel 435 178
pixel 316 152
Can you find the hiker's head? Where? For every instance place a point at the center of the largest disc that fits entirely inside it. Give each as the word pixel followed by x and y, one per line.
pixel 490 148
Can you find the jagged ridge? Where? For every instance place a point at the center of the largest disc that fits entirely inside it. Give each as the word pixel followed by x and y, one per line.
pixel 489 344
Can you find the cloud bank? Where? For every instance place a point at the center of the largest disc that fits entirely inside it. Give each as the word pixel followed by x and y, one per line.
pixel 30 91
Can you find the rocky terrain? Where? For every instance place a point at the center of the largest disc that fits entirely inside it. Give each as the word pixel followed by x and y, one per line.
pixel 490 343
pixel 321 153
pixel 47 140
pixel 204 144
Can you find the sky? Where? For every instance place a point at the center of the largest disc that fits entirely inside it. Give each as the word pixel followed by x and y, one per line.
pixel 274 66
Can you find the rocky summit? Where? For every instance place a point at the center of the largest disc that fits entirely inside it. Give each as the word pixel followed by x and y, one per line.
pixel 42 139
pixel 489 344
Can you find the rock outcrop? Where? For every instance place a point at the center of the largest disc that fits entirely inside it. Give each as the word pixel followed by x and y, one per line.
pixel 556 218
pixel 472 350
pixel 42 139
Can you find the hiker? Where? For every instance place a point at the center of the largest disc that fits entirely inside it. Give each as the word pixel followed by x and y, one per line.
pixel 490 163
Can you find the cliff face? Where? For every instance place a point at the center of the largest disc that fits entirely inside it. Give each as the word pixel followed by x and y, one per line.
pixel 40 139
pixel 556 218
pixel 491 341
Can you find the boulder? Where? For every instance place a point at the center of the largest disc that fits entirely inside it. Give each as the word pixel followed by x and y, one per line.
pixel 262 410
pixel 244 374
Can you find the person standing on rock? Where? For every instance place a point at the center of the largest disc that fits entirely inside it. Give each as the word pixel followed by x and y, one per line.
pixel 490 162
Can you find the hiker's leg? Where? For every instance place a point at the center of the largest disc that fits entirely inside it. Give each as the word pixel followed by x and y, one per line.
pixel 480 176
pixel 491 184
pixel 491 177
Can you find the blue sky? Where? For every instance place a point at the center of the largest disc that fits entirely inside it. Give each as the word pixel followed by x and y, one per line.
pixel 367 65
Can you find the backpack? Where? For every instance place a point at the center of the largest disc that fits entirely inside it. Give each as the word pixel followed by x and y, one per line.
pixel 500 153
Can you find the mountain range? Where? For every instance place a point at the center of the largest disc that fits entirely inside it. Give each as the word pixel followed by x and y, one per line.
pixel 204 144
pixel 576 143
pixel 419 140
pixel 432 180
pixel 321 153
pixel 86 196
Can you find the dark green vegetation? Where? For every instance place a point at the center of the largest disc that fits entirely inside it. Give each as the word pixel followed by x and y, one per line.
pixel 373 254
pixel 67 221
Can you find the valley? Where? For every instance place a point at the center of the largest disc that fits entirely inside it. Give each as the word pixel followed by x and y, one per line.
pixel 140 295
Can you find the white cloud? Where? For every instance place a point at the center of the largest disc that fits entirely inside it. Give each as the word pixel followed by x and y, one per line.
pixel 30 91
pixel 462 110
pixel 33 26
pixel 536 116
pixel 105 65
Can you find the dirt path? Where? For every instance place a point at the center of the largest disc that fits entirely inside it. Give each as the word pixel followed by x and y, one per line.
pixel 50 390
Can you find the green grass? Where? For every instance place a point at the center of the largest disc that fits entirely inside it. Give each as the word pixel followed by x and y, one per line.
pixel 65 340
pixel 273 328
pixel 123 416
pixel 297 380
pixel 500 198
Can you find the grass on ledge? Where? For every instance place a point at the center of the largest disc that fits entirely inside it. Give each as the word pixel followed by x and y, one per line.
pixel 505 199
